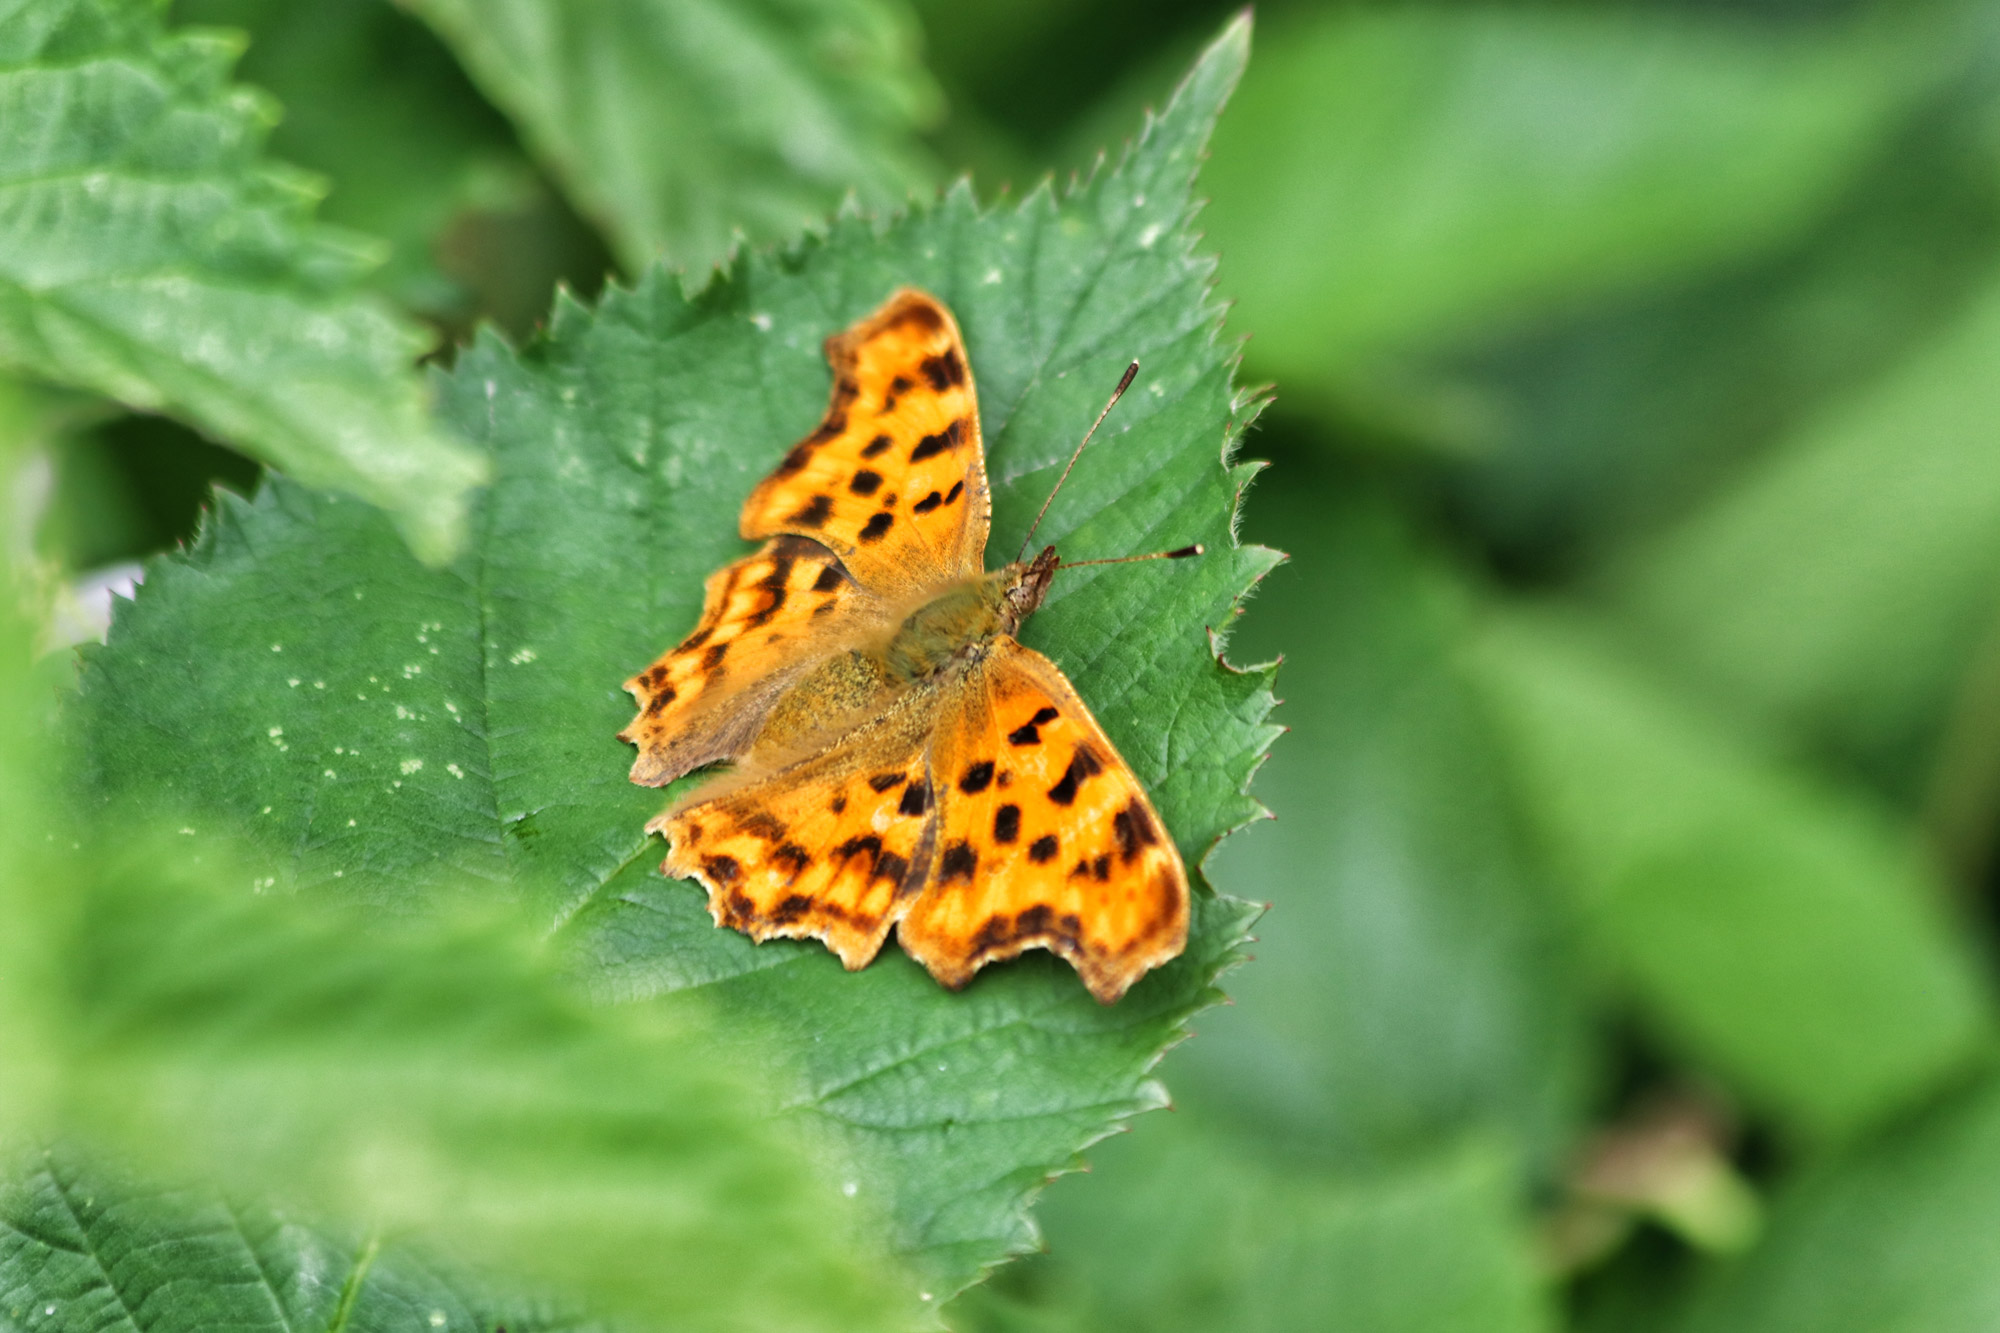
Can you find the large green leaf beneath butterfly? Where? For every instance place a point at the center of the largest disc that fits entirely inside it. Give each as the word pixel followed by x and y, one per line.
pixel 677 125
pixel 149 251
pixel 388 733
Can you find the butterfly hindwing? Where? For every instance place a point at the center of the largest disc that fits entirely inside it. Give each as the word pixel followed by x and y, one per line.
pixel 829 846
pixel 1045 837
pixel 894 479
pixel 766 621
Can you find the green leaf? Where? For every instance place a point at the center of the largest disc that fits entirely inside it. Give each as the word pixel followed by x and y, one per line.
pixel 435 1081
pixel 1396 179
pixel 376 104
pixel 1896 1238
pixel 384 732
pixel 1840 589
pixel 1419 977
pixel 153 254
pixel 675 124
pixel 1186 1230
pixel 86 1249
pixel 1781 931
pixel 1614 424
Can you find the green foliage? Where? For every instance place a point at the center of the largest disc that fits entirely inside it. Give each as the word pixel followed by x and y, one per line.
pixel 1220 1241
pixel 433 1084
pixel 1788 936
pixel 1633 885
pixel 154 255
pixel 1832 591
pixel 352 79
pixel 678 125
pixel 1488 162
pixel 1916 1208
pixel 386 734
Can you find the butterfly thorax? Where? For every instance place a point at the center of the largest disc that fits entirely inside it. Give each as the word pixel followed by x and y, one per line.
pixel 958 624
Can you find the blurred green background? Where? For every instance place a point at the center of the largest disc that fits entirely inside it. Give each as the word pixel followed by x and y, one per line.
pixel 1637 449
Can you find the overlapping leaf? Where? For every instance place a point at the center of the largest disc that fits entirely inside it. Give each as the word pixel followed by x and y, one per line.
pixel 150 252
pixel 676 124
pixel 1397 179
pixel 1780 932
pixel 385 732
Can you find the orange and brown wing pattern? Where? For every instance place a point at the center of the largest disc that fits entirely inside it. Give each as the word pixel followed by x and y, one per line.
pixel 831 847
pixel 767 620
pixel 894 479
pixel 1045 838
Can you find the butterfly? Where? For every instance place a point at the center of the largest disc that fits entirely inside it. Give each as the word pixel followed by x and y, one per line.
pixel 900 760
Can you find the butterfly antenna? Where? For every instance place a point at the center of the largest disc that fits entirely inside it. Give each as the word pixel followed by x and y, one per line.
pixel 1130 372
pixel 1181 553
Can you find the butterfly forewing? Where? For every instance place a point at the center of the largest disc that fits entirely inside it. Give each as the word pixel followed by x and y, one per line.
pixel 766 621
pixel 894 479
pixel 1045 838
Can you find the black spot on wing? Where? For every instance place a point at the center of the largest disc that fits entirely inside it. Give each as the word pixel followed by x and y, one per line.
pixel 877 526
pixel 916 799
pixel 944 369
pixel 865 482
pixel 928 503
pixel 1007 823
pixel 976 777
pixel 1043 849
pixel 958 863
pixel 884 781
pixel 876 447
pixel 1029 732
pixel 814 513
pixel 1083 765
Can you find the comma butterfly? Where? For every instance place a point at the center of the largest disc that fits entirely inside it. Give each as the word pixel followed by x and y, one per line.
pixel 900 760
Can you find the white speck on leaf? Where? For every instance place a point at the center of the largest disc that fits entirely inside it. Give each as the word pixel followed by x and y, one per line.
pixel 522 657
pixel 454 770
pixel 992 277
pixel 762 321
pixel 410 766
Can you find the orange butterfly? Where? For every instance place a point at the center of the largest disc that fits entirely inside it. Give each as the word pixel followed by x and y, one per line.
pixel 901 761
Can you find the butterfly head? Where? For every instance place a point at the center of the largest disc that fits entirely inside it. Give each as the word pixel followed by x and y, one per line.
pixel 1023 585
